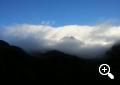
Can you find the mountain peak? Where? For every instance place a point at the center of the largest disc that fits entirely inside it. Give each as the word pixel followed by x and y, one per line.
pixel 68 37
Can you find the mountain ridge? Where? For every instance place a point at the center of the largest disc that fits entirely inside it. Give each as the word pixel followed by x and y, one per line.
pixel 53 65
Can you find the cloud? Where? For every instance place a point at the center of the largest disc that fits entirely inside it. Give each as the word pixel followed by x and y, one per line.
pixel 83 41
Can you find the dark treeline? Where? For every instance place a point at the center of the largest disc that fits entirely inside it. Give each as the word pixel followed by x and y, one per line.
pixel 53 66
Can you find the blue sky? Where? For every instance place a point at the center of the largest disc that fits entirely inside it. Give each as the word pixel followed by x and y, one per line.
pixel 58 12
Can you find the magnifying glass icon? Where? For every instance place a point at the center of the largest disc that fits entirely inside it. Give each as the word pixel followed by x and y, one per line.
pixel 104 69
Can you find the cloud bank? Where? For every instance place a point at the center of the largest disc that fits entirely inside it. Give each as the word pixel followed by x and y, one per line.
pixel 82 41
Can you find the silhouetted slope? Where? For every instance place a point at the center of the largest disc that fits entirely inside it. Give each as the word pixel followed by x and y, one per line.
pixel 113 59
pixel 12 61
pixel 53 65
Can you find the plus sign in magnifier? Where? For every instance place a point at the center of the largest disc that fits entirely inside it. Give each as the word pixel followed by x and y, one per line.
pixel 104 69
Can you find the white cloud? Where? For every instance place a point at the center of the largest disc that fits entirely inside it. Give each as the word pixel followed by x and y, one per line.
pixel 88 41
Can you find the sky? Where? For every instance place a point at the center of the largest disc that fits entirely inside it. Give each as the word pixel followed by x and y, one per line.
pixel 76 27
pixel 58 12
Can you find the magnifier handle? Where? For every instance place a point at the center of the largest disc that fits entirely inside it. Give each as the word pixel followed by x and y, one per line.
pixel 111 75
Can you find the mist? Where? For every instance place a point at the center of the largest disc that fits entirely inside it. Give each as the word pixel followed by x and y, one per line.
pixel 80 40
